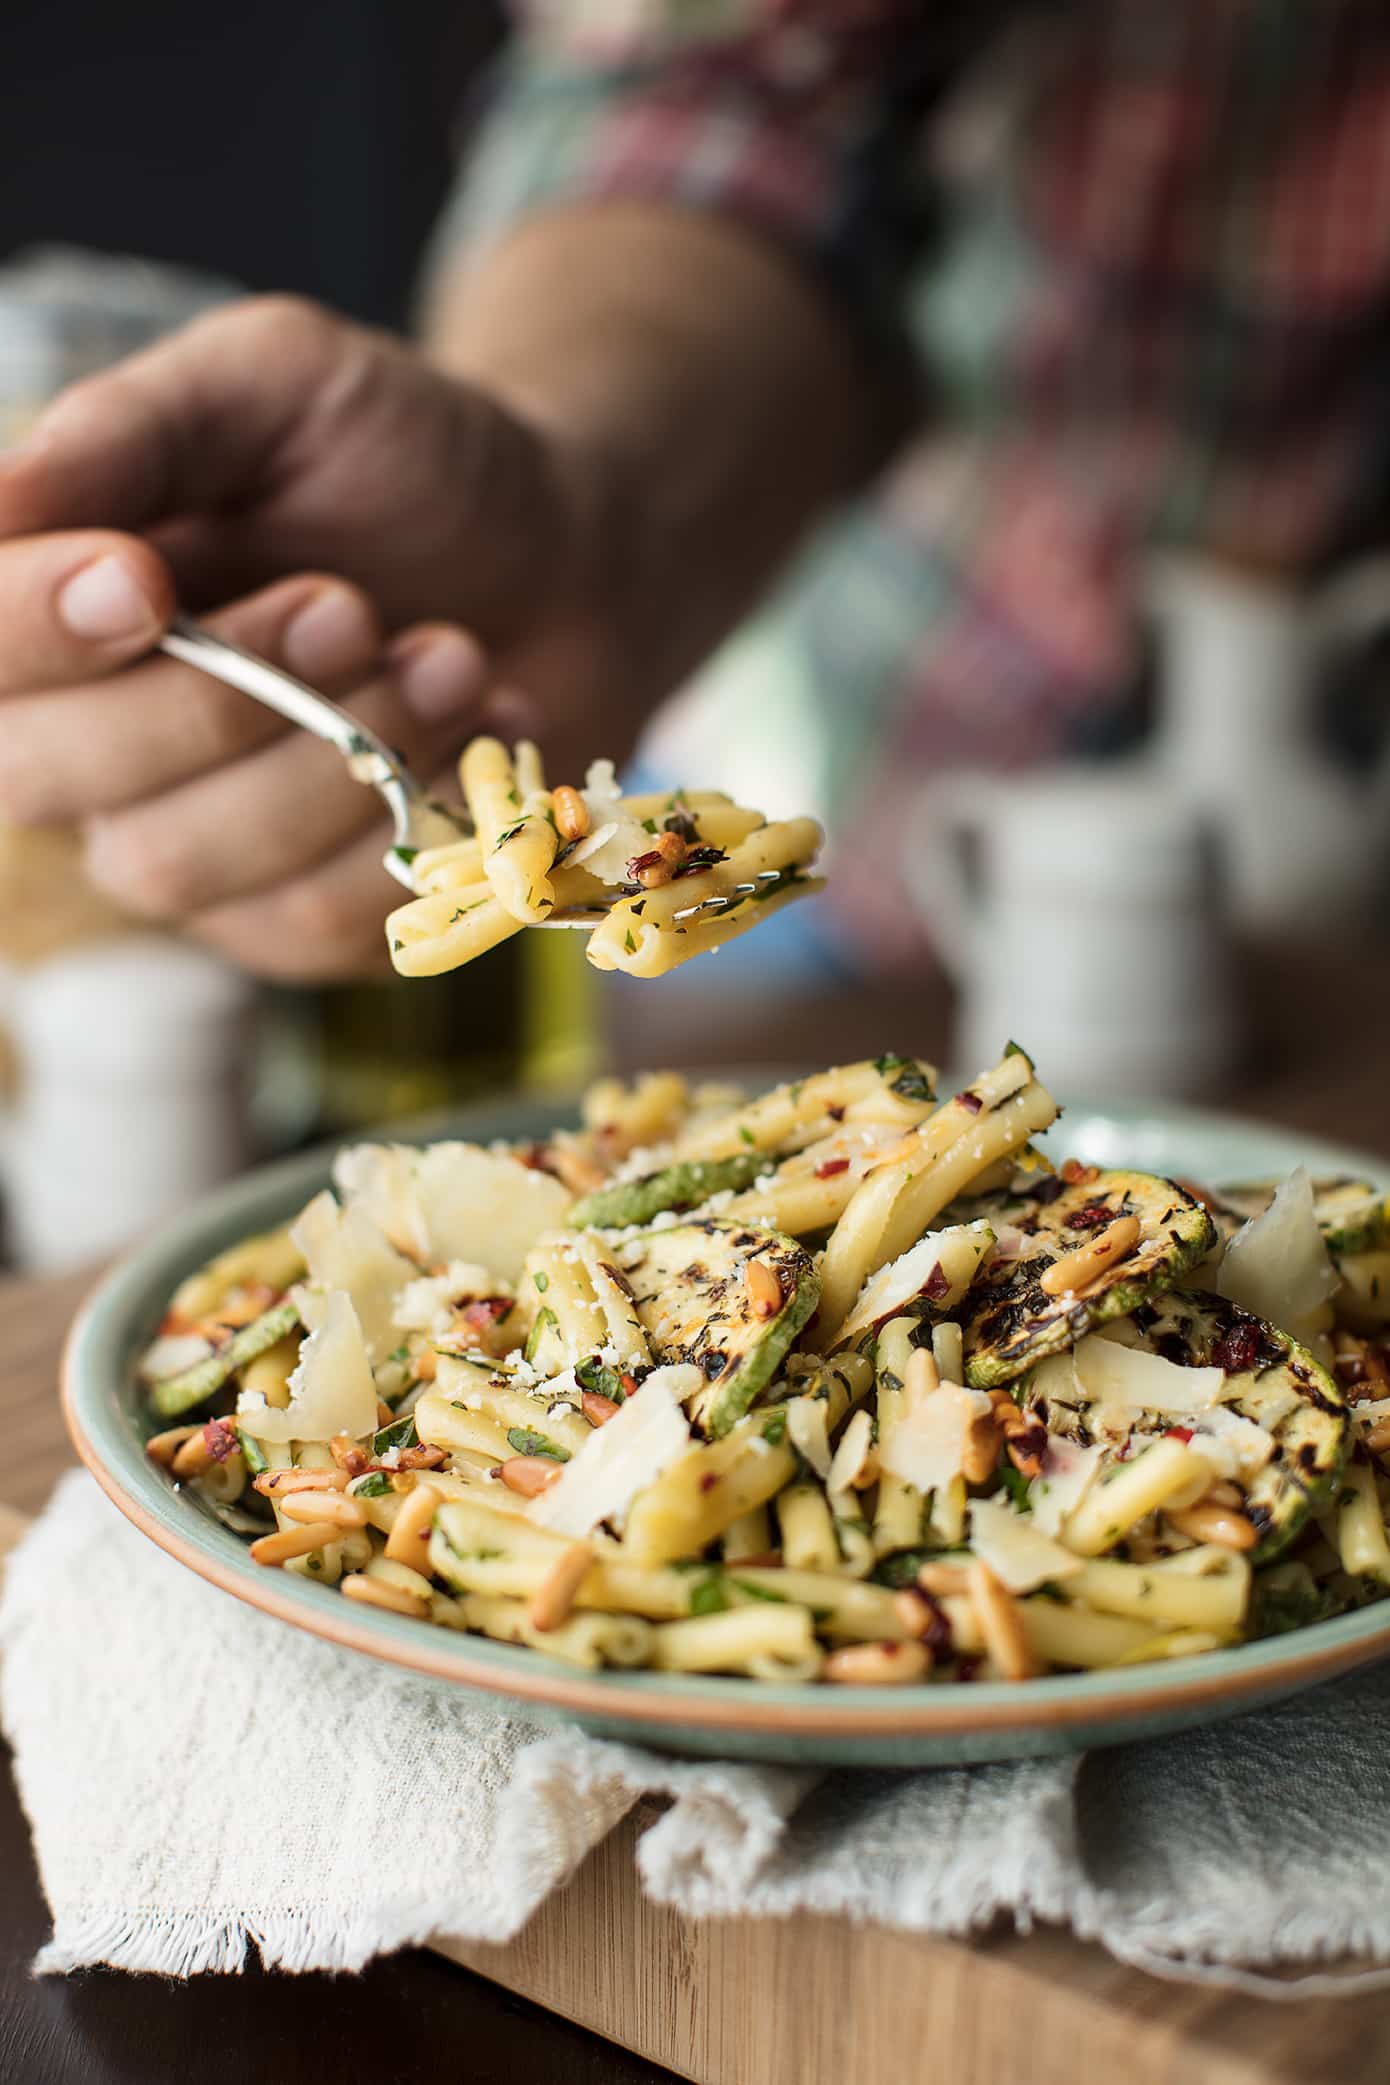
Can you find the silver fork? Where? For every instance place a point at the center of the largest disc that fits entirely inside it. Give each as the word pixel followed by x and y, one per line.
pixel 418 821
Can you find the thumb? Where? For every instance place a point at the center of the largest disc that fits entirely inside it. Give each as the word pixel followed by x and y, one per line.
pixel 76 605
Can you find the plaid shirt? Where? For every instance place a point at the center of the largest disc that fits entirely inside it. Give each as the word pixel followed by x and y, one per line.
pixel 1157 301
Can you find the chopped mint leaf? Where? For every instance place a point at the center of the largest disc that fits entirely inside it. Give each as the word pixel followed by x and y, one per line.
pixel 526 1441
pixel 708 1597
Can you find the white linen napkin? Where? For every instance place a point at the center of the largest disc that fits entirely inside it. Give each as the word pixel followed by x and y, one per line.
pixel 199 1775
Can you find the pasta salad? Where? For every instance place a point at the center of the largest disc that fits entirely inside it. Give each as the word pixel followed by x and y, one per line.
pixel 844 1382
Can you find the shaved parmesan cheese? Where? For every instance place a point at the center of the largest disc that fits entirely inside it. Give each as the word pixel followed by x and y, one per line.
pixel 1241 1447
pixel 1017 1552
pixel 1068 1471
pixel 851 1457
pixel 380 1178
pixel 485 1206
pixel 332 1389
pixel 939 1267
pixel 806 1430
pixel 426 1305
pixel 927 1445
pixel 1111 1374
pixel 1278 1266
pixel 644 1437
pixel 344 1248
pixel 171 1354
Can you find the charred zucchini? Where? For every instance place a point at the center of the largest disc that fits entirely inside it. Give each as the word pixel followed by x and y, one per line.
pixel 1352 1215
pixel 194 1386
pixel 682 1186
pixel 1011 1322
pixel 727 1298
pixel 1271 1383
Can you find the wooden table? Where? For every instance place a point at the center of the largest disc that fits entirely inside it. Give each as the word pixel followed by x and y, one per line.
pixel 814 1999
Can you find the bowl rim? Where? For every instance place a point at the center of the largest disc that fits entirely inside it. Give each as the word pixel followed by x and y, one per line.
pixel 113 1319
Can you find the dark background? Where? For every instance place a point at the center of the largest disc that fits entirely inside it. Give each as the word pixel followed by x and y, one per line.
pixel 289 144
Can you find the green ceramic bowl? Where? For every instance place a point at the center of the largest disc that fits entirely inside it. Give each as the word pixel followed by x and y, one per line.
pixel 845 1726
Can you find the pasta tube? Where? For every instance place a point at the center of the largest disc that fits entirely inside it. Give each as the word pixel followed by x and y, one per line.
pixel 773 1120
pixel 431 935
pixel 517 839
pixel 642 934
pixel 1128 1492
pixel 732 1641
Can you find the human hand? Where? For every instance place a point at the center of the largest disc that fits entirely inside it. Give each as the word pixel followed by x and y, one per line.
pixel 336 498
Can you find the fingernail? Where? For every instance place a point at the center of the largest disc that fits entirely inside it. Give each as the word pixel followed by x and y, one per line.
pixel 105 600
pixel 439 676
pixel 333 634
pixel 511 714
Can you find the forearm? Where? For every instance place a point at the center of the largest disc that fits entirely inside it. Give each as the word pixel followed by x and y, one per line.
pixel 706 402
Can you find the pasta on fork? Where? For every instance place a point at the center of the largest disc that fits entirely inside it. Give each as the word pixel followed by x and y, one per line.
pixel 654 880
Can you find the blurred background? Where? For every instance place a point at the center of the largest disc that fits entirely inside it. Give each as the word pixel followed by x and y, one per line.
pixel 1139 821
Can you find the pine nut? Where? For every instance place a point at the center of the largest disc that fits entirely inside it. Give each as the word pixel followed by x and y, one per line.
pixel 409 1539
pixel 162 1447
pixel 1001 1626
pixel 598 1410
pixel 348 1455
pixel 923 1376
pixel 943 1580
pixel 193 1457
pixel 912 1611
pixel 529 1474
pixel 554 1596
pixel 571 812
pixel 877 1665
pixel 764 1288
pixel 332 1506
pixel 1077 1270
pixel 980 1449
pixel 1205 1522
pixel 272 1483
pixel 293 1542
pixel 374 1592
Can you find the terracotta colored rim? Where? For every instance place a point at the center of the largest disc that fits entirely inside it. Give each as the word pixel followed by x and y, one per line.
pixel 1221 1681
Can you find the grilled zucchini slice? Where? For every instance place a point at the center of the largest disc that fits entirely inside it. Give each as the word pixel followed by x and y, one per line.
pixel 695 1301
pixel 1271 1380
pixel 194 1386
pixel 1010 1322
pixel 1353 1215
pixel 682 1186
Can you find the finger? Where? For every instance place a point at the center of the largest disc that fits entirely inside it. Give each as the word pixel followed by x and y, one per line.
pixel 268 818
pixel 78 604
pixel 74 752
pixel 320 928
pixel 190 422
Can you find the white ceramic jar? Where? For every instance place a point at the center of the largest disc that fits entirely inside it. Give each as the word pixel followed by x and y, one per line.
pixel 1079 912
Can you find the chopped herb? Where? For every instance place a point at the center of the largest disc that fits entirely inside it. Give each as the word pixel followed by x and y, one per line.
pixel 526 1441
pixel 760 1592
pixel 314 1562
pixel 513 798
pixel 795 1092
pixel 251 1453
pixel 775 1430
pixel 357 744
pixel 406 855
pixel 400 1434
pixel 464 910
pixel 508 832
pixel 373 1486
pixel 544 1320
pixel 599 1381
pixel 649 825
pixel 1016 1485
pixel 708 1597
pixel 1013 1049
pixel 541 1279
pixel 747 1137
pixel 628 943
pixel 396 947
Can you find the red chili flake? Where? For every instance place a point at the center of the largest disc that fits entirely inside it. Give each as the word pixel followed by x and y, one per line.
pixel 1077 1175
pixel 937 1283
pixel 1178 1433
pixel 1093 1217
pixel 539 1158
pixel 1238 1348
pixel 971 1102
pixel 835 1112
pixel 937 1634
pixel 968 1668
pixel 652 859
pixel 830 1166
pixel 220 1439
pixel 629 1384
pixel 709 1480
pixel 700 858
